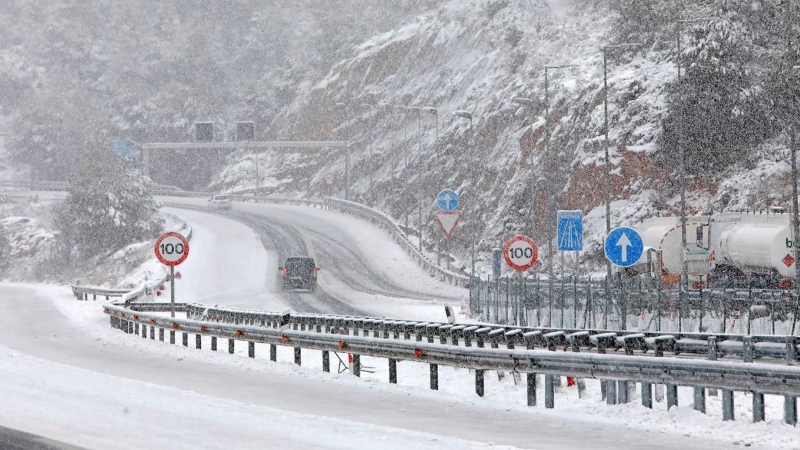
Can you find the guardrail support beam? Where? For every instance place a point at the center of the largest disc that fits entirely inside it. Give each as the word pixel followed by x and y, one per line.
pixel 611 392
pixel 790 410
pixel 230 346
pixel 700 399
pixel 172 337
pixel 251 349
pixel 273 354
pixel 297 355
pixel 531 389
pixel 161 334
pixel 326 360
pixel 198 341
pixel 185 339
pixel 152 332
pixel 144 331
pixel 392 371
pixel 213 343
pixel 435 377
pixel 727 405
pixel 647 395
pixel 672 395
pixel 479 382
pixel 549 391
pixel 758 407
pixel 136 328
pixel 356 365
pixel 622 392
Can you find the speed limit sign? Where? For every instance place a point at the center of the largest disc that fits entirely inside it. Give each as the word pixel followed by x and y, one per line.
pixel 520 253
pixel 171 248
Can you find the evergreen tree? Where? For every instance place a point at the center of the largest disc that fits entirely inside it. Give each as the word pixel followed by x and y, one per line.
pixel 715 113
pixel 109 205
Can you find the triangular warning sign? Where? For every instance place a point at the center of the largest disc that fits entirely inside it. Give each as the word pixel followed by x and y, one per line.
pixel 448 220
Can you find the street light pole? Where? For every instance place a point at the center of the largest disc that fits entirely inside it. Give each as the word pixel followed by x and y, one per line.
pixel 549 161
pixel 468 115
pixel 795 216
pixel 531 184
pixel 606 49
pixel 684 282
pixel 346 158
pixel 435 113
pixel 369 146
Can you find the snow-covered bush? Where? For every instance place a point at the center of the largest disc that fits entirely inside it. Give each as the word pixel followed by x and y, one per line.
pixel 109 206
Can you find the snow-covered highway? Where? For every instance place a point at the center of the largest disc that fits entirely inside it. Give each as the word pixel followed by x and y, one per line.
pixel 67 375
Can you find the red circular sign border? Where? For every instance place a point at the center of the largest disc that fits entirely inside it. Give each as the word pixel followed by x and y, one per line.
pixel 508 246
pixel 183 241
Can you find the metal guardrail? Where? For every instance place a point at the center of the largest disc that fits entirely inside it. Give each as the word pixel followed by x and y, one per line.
pixel 384 221
pixel 328 334
pixel 776 349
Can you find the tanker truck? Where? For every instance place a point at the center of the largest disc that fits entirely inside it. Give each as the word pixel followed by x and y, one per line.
pixel 722 250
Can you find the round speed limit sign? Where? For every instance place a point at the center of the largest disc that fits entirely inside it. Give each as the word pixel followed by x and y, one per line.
pixel 520 253
pixel 171 248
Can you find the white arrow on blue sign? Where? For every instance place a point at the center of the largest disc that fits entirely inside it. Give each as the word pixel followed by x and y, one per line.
pixel 447 200
pixel 624 246
pixel 570 231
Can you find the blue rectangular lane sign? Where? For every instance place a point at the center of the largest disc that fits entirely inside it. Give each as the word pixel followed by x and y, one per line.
pixel 570 231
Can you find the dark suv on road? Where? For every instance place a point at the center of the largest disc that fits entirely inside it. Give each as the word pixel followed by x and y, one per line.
pixel 299 272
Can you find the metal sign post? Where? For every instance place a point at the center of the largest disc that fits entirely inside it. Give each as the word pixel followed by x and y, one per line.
pixel 172 249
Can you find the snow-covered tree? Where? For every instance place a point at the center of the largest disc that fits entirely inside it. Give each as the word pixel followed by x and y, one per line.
pixel 109 205
pixel 716 113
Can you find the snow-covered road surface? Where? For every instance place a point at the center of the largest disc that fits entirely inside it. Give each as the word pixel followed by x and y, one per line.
pixel 363 269
pixel 69 376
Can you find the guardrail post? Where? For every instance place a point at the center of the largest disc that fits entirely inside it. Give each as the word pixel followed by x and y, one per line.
pixel 230 346
pixel 727 405
pixel 713 348
pixel 251 349
pixel 672 395
pixel 549 391
pixel 435 377
pixel 531 389
pixel 198 341
pixel 790 410
pixel 326 361
pixel 185 339
pixel 152 332
pixel 611 392
pixel 647 395
pixel 136 328
pixel 700 399
pixel 622 392
pixel 356 365
pixel 213 343
pixel 144 331
pixel 297 355
pixel 392 371
pixel 479 382
pixel 758 407
pixel 791 350
pixel 172 337
pixel 273 353
pixel 161 334
pixel 747 344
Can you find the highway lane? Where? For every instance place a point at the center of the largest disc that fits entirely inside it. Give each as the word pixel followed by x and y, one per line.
pixel 362 288
pixel 202 386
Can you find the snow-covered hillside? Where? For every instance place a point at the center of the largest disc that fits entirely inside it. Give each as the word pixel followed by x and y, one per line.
pixel 479 57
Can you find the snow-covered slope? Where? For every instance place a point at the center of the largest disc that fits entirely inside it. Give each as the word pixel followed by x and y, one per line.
pixel 479 57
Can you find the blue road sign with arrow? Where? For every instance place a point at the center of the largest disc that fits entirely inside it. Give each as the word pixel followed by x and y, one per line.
pixel 447 200
pixel 570 231
pixel 624 246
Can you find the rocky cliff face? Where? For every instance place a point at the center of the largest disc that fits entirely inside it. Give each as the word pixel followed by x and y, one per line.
pixel 486 58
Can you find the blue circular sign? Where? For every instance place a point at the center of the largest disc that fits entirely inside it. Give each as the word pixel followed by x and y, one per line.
pixel 447 200
pixel 624 246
